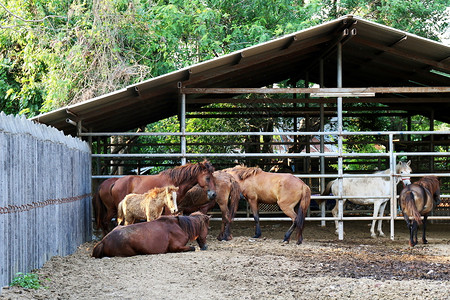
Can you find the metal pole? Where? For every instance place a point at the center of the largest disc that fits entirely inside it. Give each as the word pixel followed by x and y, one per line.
pixel 183 128
pixel 340 138
pixel 393 184
pixel 322 146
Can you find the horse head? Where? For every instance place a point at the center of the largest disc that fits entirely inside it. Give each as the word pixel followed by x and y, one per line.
pixel 404 169
pixel 171 199
pixel 205 179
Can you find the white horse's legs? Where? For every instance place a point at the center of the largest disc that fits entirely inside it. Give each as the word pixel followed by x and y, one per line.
pixel 381 213
pixel 376 209
pixel 335 212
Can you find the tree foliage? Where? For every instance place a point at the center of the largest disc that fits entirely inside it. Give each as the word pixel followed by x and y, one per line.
pixel 56 52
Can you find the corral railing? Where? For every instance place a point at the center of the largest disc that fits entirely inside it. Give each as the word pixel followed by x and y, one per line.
pixel 45 192
pixel 391 156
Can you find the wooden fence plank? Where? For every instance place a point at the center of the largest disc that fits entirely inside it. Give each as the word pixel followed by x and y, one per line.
pixel 45 188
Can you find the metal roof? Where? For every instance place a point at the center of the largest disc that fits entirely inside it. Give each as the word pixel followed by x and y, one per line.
pixel 373 55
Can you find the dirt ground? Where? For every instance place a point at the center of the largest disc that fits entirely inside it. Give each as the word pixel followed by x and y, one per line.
pixel 323 267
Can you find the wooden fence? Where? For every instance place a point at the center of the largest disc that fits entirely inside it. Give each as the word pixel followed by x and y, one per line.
pixel 45 192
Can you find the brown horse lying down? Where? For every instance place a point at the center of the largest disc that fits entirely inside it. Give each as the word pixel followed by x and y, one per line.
pixel 163 235
pixel 147 206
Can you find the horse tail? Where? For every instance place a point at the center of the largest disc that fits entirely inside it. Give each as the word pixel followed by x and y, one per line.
pixel 303 204
pixel 98 250
pixel 235 196
pixel 410 208
pixel 120 213
pixel 99 211
pixel 325 192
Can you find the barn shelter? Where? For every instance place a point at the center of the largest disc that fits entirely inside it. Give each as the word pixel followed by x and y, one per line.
pixel 345 70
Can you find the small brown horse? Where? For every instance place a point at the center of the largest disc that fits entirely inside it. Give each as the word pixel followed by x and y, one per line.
pixel 228 196
pixel 113 190
pixel 149 206
pixel 163 235
pixel 291 194
pixel 417 200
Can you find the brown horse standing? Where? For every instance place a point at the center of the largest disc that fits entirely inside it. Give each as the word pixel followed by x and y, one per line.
pixel 113 190
pixel 228 195
pixel 291 194
pixel 417 200
pixel 163 235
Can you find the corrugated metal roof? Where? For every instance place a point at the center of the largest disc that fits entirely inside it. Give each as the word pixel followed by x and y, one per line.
pixel 374 55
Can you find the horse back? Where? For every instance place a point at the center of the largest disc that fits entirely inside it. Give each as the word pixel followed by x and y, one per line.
pixel 138 184
pixel 142 238
pixel 432 184
pixel 273 187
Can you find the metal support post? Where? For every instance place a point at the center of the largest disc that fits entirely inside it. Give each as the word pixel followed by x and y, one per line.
pixel 183 128
pixel 340 145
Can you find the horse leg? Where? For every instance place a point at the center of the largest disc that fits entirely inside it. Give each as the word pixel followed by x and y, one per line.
pixel 335 212
pixel 414 229
pixel 224 234
pixel 288 234
pixel 181 248
pixel 288 211
pixel 254 208
pixel 109 225
pixel 376 208
pixel 424 240
pixel 380 224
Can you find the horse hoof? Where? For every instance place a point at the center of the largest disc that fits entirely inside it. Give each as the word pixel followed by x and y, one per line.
pixel 382 234
pixel 204 248
pixel 374 236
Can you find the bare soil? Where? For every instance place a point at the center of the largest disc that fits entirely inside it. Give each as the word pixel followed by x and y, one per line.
pixel 323 267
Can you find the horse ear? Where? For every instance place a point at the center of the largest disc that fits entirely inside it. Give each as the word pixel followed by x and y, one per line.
pixel 409 162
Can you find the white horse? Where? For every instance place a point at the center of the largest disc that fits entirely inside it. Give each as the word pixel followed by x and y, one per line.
pixel 369 186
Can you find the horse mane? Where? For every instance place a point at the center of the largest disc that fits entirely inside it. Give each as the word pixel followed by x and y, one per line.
pixel 188 172
pixel 193 224
pixel 158 190
pixel 246 172
pixel 155 191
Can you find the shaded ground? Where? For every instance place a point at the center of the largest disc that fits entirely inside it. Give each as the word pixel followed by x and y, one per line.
pixel 245 268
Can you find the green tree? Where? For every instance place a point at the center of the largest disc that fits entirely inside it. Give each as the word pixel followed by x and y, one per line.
pixel 56 52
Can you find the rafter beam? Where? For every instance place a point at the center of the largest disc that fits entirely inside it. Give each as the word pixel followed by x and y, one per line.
pixel 379 90
pixel 440 65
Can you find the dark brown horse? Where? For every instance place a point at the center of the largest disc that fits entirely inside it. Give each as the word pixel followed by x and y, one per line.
pixel 417 200
pixel 228 195
pixel 163 235
pixel 113 190
pixel 291 194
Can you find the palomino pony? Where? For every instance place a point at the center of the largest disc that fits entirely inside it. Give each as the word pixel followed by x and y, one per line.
pixel 291 194
pixel 370 186
pixel 113 190
pixel 417 200
pixel 163 235
pixel 228 196
pixel 149 206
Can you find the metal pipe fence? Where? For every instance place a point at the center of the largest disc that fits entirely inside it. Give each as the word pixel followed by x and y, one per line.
pixel 390 155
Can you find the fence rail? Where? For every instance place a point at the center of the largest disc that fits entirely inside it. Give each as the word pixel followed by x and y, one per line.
pixel 45 192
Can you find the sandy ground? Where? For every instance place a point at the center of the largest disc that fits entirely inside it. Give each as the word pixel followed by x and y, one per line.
pixel 323 267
